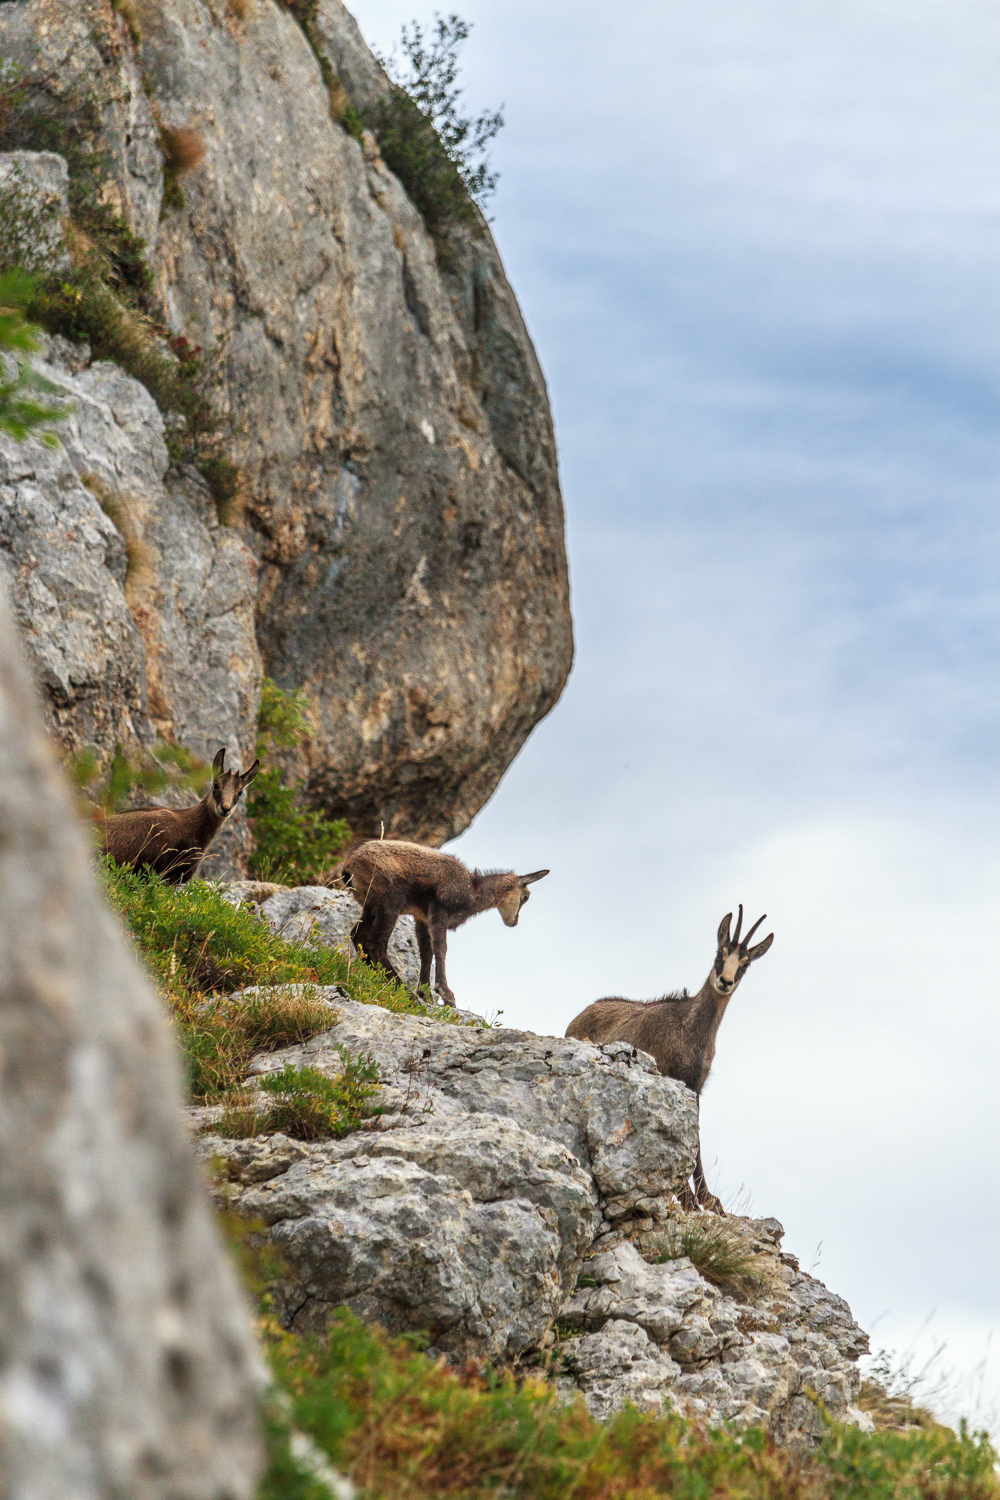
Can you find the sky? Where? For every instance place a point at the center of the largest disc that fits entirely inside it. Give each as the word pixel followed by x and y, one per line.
pixel 755 243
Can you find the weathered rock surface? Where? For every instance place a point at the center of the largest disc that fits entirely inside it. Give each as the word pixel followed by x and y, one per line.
pixel 389 414
pixel 128 1363
pixel 141 627
pixel 467 1207
pixel 509 1184
pixel 722 1359
pixel 34 202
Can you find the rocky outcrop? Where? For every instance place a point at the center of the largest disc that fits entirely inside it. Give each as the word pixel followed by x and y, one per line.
pixel 128 1364
pixel 467 1211
pixel 515 1199
pixel 387 411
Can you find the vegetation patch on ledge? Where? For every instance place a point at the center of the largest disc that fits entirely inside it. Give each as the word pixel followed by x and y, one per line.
pixel 294 844
pixel 198 947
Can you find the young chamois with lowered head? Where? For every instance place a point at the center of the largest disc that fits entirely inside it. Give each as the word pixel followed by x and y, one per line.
pixel 172 841
pixel 388 877
pixel 679 1030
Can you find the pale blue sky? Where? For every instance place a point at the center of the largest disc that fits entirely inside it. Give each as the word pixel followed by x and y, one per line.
pixel 756 246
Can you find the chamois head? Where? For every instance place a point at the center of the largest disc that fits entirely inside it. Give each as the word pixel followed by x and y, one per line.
pixel 509 905
pixel 228 786
pixel 735 957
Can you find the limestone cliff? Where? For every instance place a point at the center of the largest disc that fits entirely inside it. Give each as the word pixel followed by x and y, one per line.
pixel 403 525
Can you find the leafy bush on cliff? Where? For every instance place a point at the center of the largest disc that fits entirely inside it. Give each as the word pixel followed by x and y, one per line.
pixel 438 153
pixel 21 412
pixel 294 844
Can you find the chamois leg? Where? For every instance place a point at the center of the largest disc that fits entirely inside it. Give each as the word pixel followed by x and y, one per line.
pixel 426 953
pixel 704 1197
pixel 365 935
pixel 384 920
pixel 439 941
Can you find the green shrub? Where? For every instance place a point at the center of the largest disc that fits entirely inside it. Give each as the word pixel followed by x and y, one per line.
pixel 438 153
pixel 412 148
pixel 304 1103
pixel 21 412
pixel 294 844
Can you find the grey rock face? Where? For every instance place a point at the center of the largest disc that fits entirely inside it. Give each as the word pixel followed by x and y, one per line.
pixel 390 417
pixel 34 201
pixel 137 628
pixel 721 1360
pixel 129 1366
pixel 467 1207
pixel 634 1131
pixel 621 1364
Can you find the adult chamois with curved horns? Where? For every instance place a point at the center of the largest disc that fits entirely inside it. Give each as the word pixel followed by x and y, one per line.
pixel 679 1029
pixel 172 841
pixel 388 877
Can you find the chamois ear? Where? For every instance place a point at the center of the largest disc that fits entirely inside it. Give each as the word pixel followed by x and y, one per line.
pixel 248 776
pixel 760 948
pixel 219 763
pixel 527 879
pixel 724 927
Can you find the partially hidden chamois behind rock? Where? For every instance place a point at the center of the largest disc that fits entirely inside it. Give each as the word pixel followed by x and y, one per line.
pixel 679 1029
pixel 390 876
pixel 172 841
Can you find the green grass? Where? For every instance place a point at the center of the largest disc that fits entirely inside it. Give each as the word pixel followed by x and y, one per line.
pixel 407 1429
pixel 198 947
pixel 723 1258
pixel 304 1103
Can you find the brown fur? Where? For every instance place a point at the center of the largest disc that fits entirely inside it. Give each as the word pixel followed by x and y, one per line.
pixel 389 877
pixel 169 841
pixel 679 1030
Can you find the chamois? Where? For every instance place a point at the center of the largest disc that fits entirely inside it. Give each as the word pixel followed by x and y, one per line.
pixel 389 877
pixel 173 841
pixel 679 1029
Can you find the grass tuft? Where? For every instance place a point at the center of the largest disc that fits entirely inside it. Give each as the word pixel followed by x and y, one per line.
pixel 304 1103
pixel 723 1258
pixel 138 558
